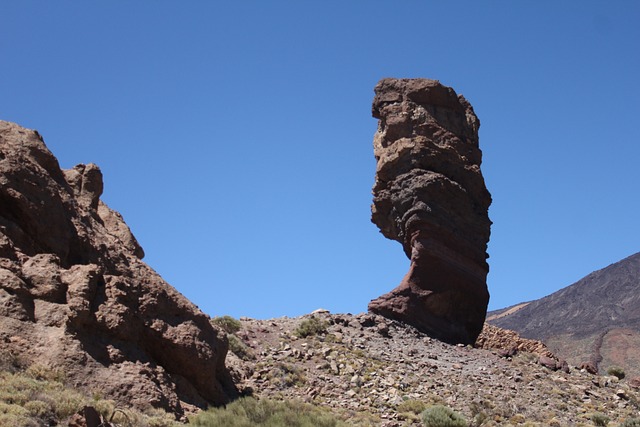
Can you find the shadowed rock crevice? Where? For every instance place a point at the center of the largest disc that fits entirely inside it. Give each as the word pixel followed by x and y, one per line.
pixel 430 196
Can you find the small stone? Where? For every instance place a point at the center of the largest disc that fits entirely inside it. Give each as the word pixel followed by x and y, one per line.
pixel 383 329
pixel 621 394
pixel 356 380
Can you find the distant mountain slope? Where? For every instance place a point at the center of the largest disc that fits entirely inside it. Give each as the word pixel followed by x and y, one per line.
pixel 597 319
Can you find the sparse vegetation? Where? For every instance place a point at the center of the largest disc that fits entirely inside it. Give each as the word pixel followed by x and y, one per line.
pixel 249 412
pixel 240 349
pixel 284 375
pixel 231 326
pixel 412 405
pixel 37 396
pixel 616 371
pixel 442 416
pixel 599 419
pixel 479 412
pixel 631 422
pixel 227 324
pixel 410 409
pixel 310 326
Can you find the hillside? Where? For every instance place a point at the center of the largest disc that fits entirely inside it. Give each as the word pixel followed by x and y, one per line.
pixel 596 320
pixel 359 370
pixel 378 372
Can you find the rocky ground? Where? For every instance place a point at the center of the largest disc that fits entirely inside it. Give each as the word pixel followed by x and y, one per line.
pixel 378 372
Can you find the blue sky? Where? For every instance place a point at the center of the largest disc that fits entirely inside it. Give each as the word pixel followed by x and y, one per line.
pixel 236 137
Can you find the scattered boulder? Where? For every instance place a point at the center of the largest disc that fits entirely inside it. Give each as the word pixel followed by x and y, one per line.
pixel 589 367
pixel 553 364
pixel 76 295
pixel 430 196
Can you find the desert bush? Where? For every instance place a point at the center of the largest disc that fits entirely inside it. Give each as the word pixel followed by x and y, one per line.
pixel 36 397
pixel 131 418
pixel 68 402
pixel 631 422
pixel 616 371
pixel 599 419
pixel 412 406
pixel 249 412
pixel 239 348
pixel 38 408
pixel 105 407
pixel 480 410
pixel 47 373
pixel 227 324
pixel 310 326
pixel 284 375
pixel 442 416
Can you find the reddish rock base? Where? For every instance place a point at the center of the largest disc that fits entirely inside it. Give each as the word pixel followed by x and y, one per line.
pixel 444 294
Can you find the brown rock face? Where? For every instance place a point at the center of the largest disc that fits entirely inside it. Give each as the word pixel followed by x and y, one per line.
pixel 75 294
pixel 430 196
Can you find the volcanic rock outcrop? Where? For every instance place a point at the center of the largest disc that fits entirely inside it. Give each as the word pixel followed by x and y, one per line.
pixel 75 295
pixel 430 196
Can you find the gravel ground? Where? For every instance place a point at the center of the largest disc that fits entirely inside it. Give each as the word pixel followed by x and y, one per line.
pixel 377 372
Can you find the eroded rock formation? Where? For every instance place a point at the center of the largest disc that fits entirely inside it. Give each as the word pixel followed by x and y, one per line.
pixel 75 294
pixel 430 196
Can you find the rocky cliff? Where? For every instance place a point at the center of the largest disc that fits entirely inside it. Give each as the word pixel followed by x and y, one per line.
pixel 430 196
pixel 76 296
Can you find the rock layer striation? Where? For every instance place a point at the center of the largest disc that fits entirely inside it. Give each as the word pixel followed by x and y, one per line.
pixel 76 296
pixel 429 195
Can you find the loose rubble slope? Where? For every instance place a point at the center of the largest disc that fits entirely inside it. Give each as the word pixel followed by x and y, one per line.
pixel 376 371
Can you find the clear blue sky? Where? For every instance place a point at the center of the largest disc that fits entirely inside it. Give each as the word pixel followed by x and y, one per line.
pixel 236 137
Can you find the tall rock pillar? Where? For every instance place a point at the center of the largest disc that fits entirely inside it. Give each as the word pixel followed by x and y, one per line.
pixel 430 196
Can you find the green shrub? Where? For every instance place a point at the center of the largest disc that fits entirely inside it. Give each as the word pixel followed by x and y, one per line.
pixel 249 412
pixel 227 324
pixel 616 371
pixel 600 419
pixel 38 408
pixel 442 416
pixel 46 373
pixel 239 348
pixel 37 397
pixel 412 406
pixel 631 422
pixel 310 326
pixel 67 403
